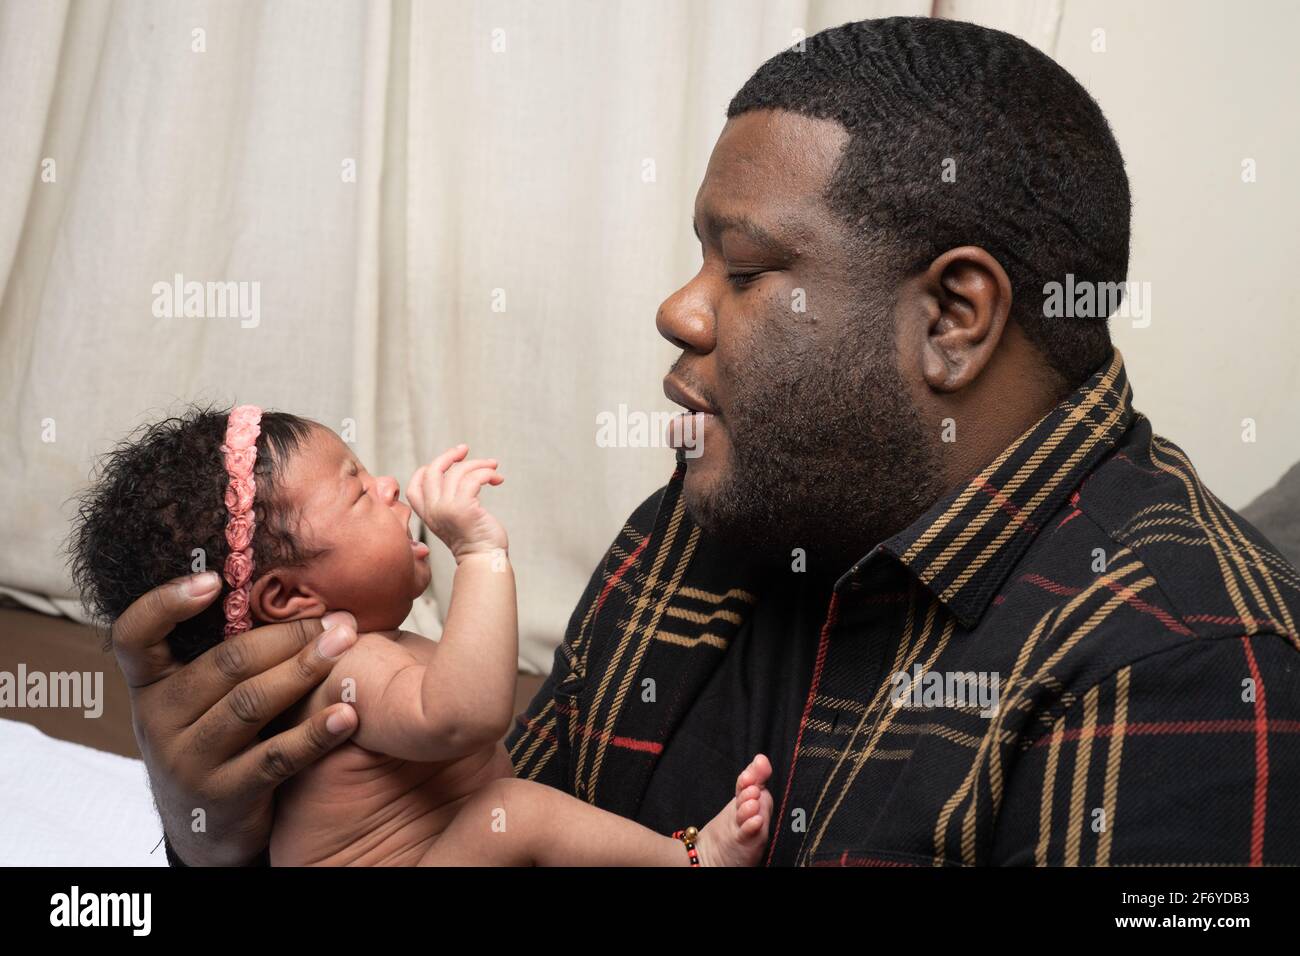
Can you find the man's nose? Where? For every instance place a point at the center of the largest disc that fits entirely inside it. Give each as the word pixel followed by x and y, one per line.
pixel 686 318
pixel 387 487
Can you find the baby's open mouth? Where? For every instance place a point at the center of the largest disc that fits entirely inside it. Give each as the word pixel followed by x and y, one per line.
pixel 420 549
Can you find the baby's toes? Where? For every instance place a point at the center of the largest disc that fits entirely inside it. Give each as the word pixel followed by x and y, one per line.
pixel 747 803
pixel 759 769
pixel 765 809
pixel 753 814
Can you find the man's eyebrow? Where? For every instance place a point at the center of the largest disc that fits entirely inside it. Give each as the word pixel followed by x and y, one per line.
pixel 715 225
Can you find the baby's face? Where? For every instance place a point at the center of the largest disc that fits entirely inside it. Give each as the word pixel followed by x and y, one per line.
pixel 370 565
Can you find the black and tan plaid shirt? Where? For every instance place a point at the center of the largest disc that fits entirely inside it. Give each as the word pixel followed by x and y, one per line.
pixel 1080 657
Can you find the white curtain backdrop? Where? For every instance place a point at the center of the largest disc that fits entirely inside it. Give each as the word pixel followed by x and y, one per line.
pixel 524 178
pixel 460 218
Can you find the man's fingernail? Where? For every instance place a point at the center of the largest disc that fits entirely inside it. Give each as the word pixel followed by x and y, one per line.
pixel 335 641
pixel 338 722
pixel 335 618
pixel 201 585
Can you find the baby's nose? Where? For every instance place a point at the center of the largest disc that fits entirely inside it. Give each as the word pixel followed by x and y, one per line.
pixel 387 487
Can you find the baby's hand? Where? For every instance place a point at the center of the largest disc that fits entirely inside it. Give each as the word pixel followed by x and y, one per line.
pixel 444 493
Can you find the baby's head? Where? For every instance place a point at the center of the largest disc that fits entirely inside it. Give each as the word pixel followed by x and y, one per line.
pixel 328 535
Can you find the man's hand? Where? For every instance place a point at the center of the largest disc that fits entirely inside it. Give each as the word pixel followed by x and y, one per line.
pixel 444 493
pixel 197 723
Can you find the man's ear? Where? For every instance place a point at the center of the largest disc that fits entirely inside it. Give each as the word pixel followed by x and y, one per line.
pixel 968 304
pixel 278 596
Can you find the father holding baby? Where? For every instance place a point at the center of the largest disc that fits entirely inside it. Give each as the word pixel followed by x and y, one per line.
pixel 931 560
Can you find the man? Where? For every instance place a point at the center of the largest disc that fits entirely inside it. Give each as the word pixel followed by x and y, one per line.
pixel 931 560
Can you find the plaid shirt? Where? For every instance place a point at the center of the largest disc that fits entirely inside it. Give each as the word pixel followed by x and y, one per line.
pixel 1140 636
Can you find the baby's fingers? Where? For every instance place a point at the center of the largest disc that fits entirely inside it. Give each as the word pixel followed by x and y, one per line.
pixel 423 492
pixel 447 458
pixel 451 479
pixel 472 481
pixel 422 489
pixel 415 489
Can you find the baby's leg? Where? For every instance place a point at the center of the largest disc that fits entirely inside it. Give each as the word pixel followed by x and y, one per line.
pixel 515 822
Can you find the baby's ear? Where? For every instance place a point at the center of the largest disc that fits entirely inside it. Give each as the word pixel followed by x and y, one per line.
pixel 276 597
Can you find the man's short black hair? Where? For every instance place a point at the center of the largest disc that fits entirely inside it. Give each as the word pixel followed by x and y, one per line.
pixel 1039 180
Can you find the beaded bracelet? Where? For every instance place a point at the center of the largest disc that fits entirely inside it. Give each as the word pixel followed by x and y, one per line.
pixel 689 836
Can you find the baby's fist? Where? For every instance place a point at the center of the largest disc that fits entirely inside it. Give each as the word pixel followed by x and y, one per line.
pixel 444 493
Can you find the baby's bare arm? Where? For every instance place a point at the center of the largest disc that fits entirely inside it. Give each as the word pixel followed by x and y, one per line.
pixel 468 688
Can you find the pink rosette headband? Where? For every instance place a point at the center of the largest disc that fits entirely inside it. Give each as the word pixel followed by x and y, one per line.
pixel 240 454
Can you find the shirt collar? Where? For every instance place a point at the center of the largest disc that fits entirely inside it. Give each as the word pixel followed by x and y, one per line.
pixel 964 547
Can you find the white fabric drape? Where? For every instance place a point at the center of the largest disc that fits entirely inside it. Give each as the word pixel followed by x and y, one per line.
pixel 461 217
pixel 524 178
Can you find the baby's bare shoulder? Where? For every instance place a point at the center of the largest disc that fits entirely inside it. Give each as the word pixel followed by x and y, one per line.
pixel 366 666
pixel 374 655
pixel 419 646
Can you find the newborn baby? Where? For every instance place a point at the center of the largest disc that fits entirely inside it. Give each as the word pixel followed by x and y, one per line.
pixel 300 528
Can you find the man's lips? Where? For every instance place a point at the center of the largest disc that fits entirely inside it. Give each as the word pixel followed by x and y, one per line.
pixel 683 396
pixel 687 431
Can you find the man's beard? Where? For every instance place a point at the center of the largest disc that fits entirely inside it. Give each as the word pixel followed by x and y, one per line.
pixel 828 454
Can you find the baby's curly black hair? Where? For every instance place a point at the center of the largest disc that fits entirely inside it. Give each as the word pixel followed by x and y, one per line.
pixel 159 497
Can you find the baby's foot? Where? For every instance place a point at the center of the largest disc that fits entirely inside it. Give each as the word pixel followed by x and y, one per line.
pixel 737 835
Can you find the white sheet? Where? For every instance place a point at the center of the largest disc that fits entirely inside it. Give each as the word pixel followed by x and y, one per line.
pixel 62 804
